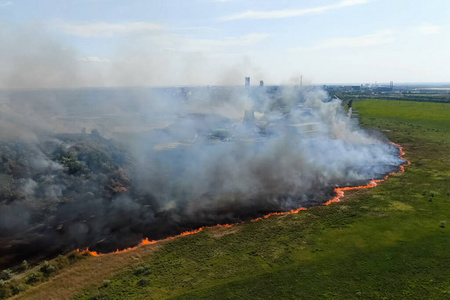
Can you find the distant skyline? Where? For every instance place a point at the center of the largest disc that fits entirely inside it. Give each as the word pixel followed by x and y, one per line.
pixel 78 43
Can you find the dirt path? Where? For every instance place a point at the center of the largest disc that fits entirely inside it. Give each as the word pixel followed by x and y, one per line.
pixel 86 273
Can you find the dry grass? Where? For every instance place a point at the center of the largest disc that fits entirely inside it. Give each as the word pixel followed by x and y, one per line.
pixel 86 273
pixel 222 231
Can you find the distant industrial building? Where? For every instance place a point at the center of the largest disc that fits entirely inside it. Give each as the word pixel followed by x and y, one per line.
pixel 383 89
pixel 351 88
pixel 261 83
pixel 247 82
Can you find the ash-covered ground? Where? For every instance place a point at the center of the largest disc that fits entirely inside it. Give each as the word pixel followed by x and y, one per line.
pixel 105 168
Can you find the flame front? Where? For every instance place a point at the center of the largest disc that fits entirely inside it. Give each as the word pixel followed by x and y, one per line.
pixel 373 183
pixel 339 195
pixel 86 251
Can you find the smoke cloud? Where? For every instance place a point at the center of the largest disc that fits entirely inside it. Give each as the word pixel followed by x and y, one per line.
pixel 31 58
pixel 50 54
pixel 104 168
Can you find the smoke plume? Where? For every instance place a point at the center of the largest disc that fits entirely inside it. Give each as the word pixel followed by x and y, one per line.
pixel 105 168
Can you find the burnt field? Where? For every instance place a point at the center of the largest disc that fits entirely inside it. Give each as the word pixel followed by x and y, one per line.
pixel 176 168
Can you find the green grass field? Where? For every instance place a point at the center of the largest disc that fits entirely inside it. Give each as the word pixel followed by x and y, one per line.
pixel 388 242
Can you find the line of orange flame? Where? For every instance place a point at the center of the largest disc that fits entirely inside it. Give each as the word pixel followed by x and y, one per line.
pixel 339 195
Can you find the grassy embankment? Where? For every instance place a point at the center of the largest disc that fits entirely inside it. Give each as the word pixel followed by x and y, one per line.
pixel 390 242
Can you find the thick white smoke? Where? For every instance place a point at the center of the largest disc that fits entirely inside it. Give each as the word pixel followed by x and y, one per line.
pixel 174 159
pixel 300 145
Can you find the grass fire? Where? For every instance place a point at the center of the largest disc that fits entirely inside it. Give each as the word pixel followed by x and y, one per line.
pixel 188 160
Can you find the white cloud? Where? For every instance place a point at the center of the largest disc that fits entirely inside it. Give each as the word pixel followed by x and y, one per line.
pixel 103 29
pixel 168 42
pixel 95 59
pixel 195 28
pixel 427 29
pixel 289 13
pixel 210 44
pixel 6 4
pixel 377 38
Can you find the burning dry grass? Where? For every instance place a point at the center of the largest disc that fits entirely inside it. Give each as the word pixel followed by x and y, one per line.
pixel 98 267
pixel 341 251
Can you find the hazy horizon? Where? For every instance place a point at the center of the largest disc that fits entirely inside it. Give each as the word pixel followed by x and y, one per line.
pixel 255 85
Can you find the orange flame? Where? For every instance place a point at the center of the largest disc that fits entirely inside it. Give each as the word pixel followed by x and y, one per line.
pixel 339 195
pixel 86 251
pixel 292 211
pixel 373 183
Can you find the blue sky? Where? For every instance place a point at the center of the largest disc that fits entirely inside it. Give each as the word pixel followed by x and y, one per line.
pixel 212 42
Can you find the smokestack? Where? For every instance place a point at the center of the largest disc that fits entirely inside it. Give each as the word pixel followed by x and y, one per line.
pixel 301 80
pixel 247 82
pixel 392 85
pixel 261 83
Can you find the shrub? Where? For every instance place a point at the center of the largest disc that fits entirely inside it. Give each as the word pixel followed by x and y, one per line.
pixel 6 274
pixel 47 269
pixel 24 266
pixel 142 270
pixel 75 256
pixel 18 288
pixel 106 283
pixel 142 282
pixel 4 290
pixel 33 278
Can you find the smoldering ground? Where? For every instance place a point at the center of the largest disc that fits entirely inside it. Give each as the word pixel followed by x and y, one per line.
pixel 161 161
